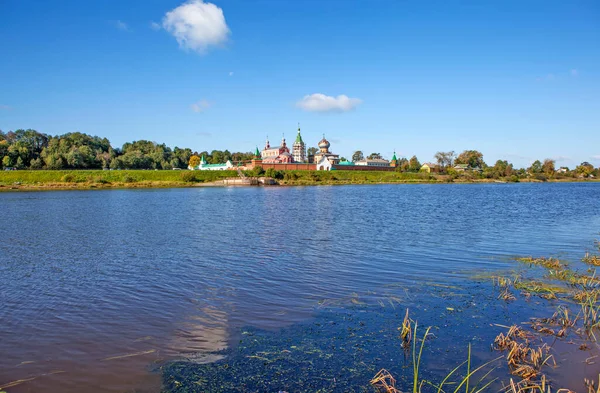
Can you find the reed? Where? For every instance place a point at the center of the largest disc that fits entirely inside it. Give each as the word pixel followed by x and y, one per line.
pixel 591 259
pixel 406 332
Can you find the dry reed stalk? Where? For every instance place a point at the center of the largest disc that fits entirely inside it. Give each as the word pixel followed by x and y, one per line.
pixel 384 382
pixel 591 259
pixel 506 295
pixel 590 384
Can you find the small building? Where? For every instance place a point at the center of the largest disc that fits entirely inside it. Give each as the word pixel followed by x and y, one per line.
pixel 466 168
pixel 345 163
pixel 430 167
pixel 205 166
pixel 325 164
pixel 562 169
pixel 379 162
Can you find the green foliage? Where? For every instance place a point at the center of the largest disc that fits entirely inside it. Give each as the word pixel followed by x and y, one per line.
pixel 414 165
pixel 270 172
pixel 189 177
pixel 472 158
pixel 444 159
pixel 258 171
pixel 358 156
pixel 536 167
pixel 68 178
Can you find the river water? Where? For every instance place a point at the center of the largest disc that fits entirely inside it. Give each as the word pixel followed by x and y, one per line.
pixel 98 289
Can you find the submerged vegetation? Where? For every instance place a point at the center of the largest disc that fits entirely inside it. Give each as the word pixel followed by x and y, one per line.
pixel 357 345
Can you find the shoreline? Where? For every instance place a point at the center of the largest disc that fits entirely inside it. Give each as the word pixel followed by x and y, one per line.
pixel 67 186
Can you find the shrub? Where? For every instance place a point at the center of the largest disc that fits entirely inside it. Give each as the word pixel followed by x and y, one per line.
pixel 270 172
pixel 189 177
pixel 68 178
pixel 129 179
pixel 258 171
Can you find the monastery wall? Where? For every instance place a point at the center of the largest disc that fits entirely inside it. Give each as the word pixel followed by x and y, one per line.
pixel 363 168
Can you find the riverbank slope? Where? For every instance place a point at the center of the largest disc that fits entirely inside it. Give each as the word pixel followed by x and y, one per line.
pixel 98 179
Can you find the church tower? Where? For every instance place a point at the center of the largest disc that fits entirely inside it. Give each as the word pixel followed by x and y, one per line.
pixel 299 148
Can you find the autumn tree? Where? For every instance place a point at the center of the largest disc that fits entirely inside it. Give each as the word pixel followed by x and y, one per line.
pixel 548 167
pixel 194 161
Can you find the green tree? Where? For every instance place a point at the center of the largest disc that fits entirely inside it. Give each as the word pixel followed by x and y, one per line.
pixel 584 169
pixel 414 165
pixel 374 156
pixel 36 163
pixel 6 161
pixel 536 167
pixel 473 158
pixel 358 156
pixel 444 159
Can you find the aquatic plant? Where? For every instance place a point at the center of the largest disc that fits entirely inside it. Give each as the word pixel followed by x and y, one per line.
pixel 384 381
pixel 406 332
pixel 548 263
pixel 591 259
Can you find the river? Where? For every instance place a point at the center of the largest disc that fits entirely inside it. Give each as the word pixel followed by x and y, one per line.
pixel 100 289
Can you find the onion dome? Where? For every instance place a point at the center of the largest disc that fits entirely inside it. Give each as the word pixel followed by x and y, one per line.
pixel 324 144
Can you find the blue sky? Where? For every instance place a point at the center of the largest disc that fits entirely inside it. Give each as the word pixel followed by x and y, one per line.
pixel 518 80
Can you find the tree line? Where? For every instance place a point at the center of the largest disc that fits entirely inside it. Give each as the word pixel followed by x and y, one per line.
pixel 472 163
pixel 30 149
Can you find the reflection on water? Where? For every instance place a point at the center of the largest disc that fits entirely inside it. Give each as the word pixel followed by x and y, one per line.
pixel 104 286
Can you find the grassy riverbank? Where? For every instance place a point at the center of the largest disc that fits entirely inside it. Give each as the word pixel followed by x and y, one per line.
pixel 82 179
pixel 86 179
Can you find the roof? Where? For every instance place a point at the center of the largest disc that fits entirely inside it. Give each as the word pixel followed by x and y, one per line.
pixel 299 137
pixel 213 165
pixel 461 166
pixel 374 160
pixel 345 163
pixel 430 164
pixel 394 157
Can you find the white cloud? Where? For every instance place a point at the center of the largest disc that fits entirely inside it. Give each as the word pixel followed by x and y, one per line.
pixel 155 26
pixel 200 106
pixel 121 25
pixel 230 73
pixel 197 25
pixel 574 72
pixel 321 103
pixel 561 158
pixel 596 157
